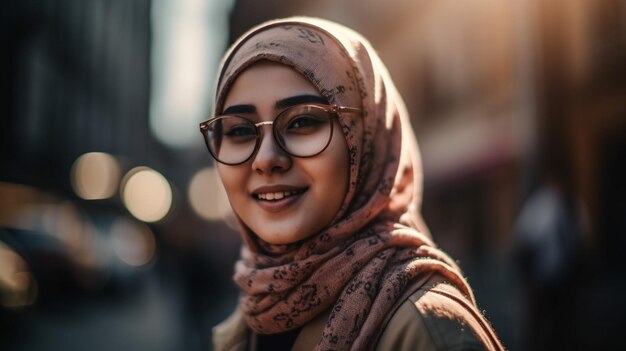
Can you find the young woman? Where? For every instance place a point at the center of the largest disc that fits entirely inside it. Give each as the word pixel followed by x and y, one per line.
pixel 322 170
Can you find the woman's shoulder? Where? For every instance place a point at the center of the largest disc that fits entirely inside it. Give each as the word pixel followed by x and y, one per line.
pixel 437 316
pixel 232 333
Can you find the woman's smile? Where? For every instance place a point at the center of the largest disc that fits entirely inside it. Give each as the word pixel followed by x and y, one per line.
pixel 278 198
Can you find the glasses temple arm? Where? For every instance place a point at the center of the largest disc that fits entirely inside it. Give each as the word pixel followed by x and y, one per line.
pixel 344 109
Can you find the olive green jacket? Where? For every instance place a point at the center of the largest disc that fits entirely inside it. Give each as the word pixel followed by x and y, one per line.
pixel 436 316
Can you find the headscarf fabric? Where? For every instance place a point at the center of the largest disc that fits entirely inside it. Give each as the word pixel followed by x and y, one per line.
pixel 377 245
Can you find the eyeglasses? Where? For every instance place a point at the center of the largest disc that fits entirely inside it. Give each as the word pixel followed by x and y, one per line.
pixel 301 131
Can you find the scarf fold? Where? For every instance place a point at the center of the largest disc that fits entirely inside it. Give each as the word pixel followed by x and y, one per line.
pixel 377 245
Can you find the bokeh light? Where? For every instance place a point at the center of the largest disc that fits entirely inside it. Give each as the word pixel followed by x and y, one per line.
pixel 95 176
pixel 18 287
pixel 133 242
pixel 208 196
pixel 146 194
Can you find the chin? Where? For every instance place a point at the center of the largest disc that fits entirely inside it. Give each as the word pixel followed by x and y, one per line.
pixel 283 231
pixel 278 235
pixel 278 239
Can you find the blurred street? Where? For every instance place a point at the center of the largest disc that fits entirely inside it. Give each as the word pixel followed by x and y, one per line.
pixel 149 319
pixel 148 314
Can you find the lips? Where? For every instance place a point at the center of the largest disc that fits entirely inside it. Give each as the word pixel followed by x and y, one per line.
pixel 277 198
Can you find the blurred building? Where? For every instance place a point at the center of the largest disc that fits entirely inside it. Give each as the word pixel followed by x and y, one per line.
pixel 76 81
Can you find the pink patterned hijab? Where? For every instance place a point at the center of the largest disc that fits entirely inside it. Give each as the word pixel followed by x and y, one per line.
pixel 361 264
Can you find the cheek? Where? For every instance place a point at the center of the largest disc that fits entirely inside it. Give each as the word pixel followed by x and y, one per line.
pixel 335 171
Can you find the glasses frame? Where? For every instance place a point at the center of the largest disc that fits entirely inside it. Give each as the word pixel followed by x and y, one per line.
pixel 333 110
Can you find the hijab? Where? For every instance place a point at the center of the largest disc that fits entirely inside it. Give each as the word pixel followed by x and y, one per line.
pixel 363 262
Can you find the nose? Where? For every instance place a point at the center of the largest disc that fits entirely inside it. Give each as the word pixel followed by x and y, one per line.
pixel 270 158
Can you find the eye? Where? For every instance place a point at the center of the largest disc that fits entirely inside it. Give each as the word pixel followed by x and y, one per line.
pixel 305 121
pixel 240 131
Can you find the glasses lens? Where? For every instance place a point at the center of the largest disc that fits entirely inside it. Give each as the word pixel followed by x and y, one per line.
pixel 231 139
pixel 303 130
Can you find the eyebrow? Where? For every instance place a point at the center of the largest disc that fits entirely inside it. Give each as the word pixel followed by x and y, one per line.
pixel 299 99
pixel 280 104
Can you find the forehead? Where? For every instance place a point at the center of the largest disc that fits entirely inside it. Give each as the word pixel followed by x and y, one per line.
pixel 266 82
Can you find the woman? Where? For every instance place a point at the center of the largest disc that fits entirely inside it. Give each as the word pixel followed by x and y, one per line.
pixel 321 168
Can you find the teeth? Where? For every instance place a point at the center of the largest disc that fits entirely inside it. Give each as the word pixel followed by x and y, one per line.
pixel 276 196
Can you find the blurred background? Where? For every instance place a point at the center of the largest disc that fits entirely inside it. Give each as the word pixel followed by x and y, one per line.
pixel 114 231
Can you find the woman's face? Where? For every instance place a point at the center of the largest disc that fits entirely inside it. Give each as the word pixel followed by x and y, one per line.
pixel 307 192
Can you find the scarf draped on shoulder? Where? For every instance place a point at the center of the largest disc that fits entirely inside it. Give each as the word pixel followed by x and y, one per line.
pixel 377 245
